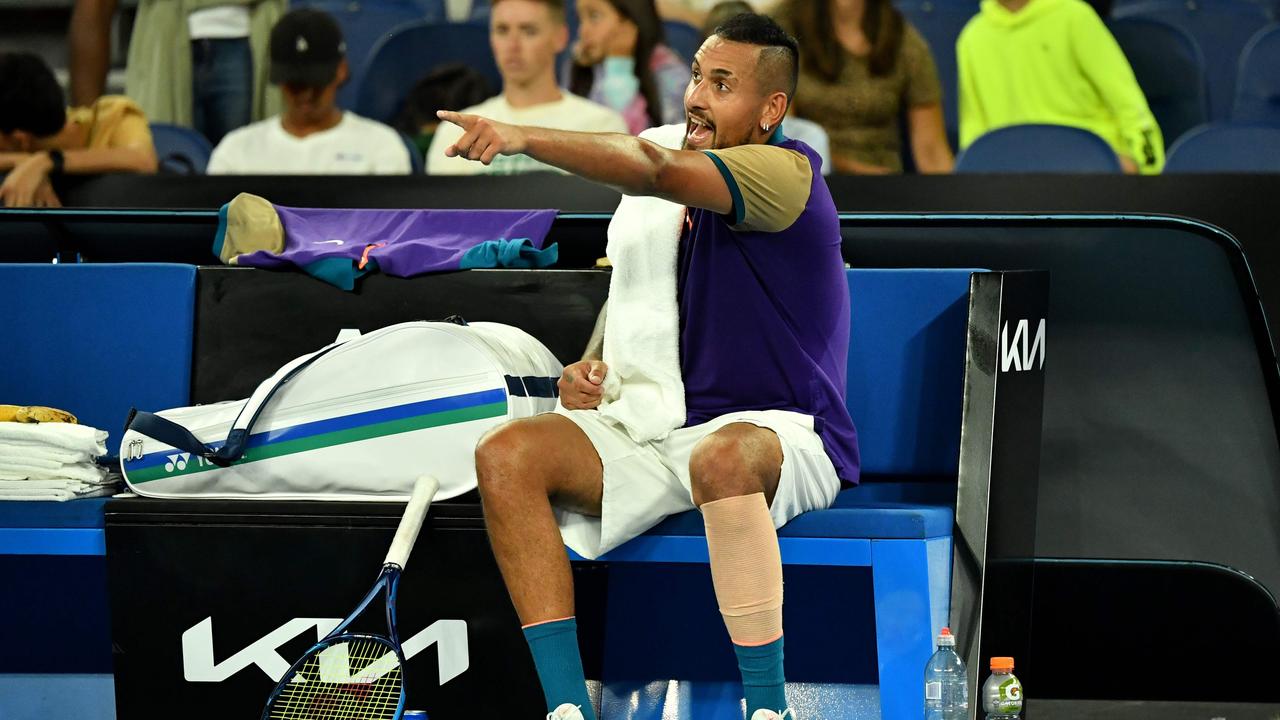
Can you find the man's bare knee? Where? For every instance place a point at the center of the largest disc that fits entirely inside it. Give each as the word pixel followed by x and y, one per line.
pixel 507 461
pixel 548 455
pixel 738 459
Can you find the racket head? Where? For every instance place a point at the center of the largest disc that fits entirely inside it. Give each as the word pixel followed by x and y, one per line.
pixel 350 676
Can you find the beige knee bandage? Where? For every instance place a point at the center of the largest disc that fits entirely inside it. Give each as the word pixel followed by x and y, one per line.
pixel 746 567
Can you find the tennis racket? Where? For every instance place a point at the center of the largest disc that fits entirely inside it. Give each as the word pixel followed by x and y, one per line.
pixel 357 676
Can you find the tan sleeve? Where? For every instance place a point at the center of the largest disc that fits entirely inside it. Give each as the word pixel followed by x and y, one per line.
pixel 770 185
pixel 119 123
pixel 923 85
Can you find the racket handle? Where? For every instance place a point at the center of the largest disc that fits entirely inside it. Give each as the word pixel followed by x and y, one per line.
pixel 407 533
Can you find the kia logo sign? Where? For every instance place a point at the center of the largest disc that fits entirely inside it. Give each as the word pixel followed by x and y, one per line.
pixel 449 637
pixel 1020 355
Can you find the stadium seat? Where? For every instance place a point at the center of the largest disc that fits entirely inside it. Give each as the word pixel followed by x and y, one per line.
pixel 1226 148
pixel 410 51
pixel 1038 148
pixel 180 150
pixel 1170 70
pixel 1220 27
pixel 1258 86
pixel 365 23
pixel 417 164
pixel 684 38
pixel 940 24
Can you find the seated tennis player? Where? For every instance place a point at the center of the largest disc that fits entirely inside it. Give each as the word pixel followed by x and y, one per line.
pixel 720 378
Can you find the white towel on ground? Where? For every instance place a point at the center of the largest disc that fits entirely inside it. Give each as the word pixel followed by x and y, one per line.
pixel 77 438
pixel 643 388
pixel 79 472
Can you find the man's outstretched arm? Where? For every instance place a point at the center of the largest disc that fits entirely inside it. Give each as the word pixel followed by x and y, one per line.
pixel 629 164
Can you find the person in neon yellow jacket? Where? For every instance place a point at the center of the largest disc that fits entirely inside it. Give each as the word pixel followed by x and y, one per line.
pixel 1053 62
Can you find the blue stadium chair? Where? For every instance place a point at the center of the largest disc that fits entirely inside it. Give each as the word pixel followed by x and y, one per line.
pixel 1225 148
pixel 411 51
pixel 417 164
pixel 1258 86
pixel 684 38
pixel 180 150
pixel 1038 148
pixel 1170 69
pixel 365 23
pixel 940 24
pixel 1220 27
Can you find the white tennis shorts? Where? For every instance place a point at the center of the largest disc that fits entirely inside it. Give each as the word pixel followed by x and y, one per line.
pixel 647 482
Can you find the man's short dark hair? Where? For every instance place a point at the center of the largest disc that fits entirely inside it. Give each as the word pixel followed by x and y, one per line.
pixel 557 8
pixel 30 96
pixel 779 65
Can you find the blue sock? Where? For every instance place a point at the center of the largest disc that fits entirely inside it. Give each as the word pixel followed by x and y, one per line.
pixel 555 654
pixel 762 679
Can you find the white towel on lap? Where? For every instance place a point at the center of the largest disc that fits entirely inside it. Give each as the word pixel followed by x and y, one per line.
pixel 76 438
pixel 643 389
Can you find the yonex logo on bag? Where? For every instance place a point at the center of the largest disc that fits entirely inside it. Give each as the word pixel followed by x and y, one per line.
pixel 177 462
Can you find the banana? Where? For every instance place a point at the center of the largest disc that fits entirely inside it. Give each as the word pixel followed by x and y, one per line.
pixel 35 414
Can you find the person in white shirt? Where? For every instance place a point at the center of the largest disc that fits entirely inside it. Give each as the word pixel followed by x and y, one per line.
pixel 313 136
pixel 526 36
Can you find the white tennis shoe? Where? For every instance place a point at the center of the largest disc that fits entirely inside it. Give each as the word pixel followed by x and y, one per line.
pixel 763 714
pixel 566 711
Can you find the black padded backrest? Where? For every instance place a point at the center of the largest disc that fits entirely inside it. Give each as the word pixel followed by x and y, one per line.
pixel 1159 439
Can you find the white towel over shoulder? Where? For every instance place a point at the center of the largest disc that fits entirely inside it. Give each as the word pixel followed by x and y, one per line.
pixel 643 388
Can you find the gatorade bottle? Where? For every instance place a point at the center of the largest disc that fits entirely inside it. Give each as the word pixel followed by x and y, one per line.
pixel 414 715
pixel 1002 693
pixel 946 688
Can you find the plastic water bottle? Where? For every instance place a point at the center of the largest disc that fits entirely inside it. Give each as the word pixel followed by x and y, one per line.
pixel 946 689
pixel 1002 693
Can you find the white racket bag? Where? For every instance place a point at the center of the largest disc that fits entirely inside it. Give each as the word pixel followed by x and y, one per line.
pixel 357 420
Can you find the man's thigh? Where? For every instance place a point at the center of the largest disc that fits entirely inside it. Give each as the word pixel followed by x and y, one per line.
pixel 559 452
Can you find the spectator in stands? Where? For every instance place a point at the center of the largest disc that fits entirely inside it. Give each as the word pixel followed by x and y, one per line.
pixel 313 136
pixel 621 62
pixel 698 12
pixel 40 138
pixel 197 63
pixel 526 36
pixel 1053 62
pixel 720 13
pixel 862 67
pixel 449 87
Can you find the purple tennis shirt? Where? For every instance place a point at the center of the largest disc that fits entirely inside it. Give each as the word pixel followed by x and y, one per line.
pixel 764 316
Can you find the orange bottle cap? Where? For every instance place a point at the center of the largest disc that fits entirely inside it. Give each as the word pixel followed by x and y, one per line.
pixel 1001 664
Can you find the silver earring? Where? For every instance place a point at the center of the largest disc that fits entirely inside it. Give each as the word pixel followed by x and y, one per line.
pixel 765 127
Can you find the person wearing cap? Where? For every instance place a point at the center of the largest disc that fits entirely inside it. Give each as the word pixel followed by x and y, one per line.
pixel 313 136
pixel 526 36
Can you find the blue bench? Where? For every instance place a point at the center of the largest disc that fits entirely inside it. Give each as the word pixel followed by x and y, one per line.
pixel 906 377
pixel 95 340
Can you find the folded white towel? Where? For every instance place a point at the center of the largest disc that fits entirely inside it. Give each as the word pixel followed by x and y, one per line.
pixel 14 463
pixel 643 389
pixel 34 451
pixel 79 472
pixel 57 495
pixel 77 438
pixel 72 485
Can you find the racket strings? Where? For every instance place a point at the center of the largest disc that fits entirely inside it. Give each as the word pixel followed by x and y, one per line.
pixel 355 680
